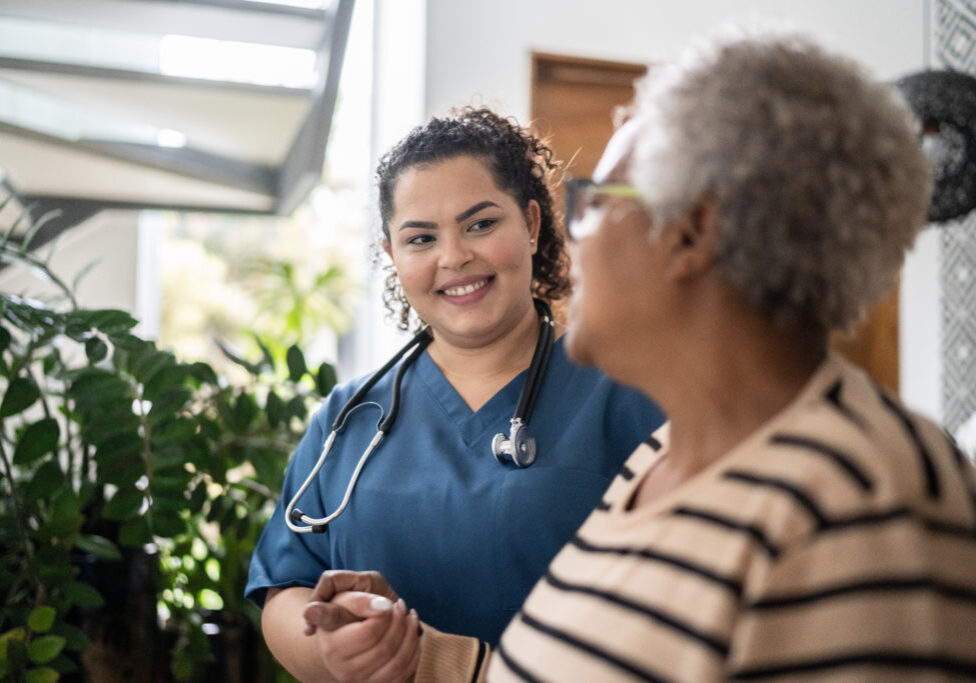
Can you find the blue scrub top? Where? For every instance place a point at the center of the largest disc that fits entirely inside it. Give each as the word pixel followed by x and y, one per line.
pixel 459 536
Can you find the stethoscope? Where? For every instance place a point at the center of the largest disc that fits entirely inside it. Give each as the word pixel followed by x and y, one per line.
pixel 518 447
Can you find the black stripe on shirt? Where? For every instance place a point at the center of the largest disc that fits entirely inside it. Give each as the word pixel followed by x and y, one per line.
pixel 653 443
pixel 833 398
pixel 482 655
pixel 928 464
pixel 730 584
pixel 712 518
pixel 626 473
pixel 903 660
pixel 514 666
pixel 588 648
pixel 897 515
pixel 781 485
pixel 602 506
pixel 714 644
pixel 889 585
pixel 842 460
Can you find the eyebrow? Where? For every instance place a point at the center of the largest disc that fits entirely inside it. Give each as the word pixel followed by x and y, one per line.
pixel 467 213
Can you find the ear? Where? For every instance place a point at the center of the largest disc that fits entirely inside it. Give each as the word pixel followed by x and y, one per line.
pixel 386 247
pixel 533 219
pixel 692 241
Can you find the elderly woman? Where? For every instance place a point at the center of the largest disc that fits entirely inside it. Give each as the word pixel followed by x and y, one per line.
pixel 792 518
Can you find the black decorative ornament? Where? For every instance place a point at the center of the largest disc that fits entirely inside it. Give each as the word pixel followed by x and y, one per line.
pixel 945 104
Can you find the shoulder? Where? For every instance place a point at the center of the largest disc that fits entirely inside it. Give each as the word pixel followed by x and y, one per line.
pixel 588 383
pixel 847 459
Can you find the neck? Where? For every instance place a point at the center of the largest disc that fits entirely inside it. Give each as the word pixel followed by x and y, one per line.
pixel 737 371
pixel 478 373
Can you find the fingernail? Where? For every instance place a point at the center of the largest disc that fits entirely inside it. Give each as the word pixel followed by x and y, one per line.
pixel 401 606
pixel 380 604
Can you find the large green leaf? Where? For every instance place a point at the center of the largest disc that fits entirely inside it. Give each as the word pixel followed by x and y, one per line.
pixel 125 504
pixel 296 363
pixel 82 594
pixel 275 408
pixel 120 447
pixel 5 338
pixel 46 480
pixel 99 546
pixel 172 431
pixel 41 618
pixel 167 524
pixel 111 420
pixel 94 389
pixel 95 349
pixel 77 640
pixel 20 395
pixel 135 532
pixel 166 378
pixel 203 373
pixel 42 674
pixel 244 411
pixel 109 321
pixel 168 402
pixel 39 439
pixel 42 650
pixel 325 379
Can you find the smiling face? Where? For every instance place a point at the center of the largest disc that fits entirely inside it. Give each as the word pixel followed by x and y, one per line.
pixel 462 251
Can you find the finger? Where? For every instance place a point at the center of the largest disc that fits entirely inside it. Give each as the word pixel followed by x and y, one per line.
pixel 326 616
pixel 403 664
pixel 386 642
pixel 333 581
pixel 378 585
pixel 361 604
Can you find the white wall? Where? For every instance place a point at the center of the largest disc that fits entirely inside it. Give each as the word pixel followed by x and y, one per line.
pixel 479 52
pixel 107 240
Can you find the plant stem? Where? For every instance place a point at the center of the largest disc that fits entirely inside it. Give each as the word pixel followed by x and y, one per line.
pixel 35 262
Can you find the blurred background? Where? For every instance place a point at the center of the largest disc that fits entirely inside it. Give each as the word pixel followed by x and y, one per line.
pixel 206 165
pixel 194 146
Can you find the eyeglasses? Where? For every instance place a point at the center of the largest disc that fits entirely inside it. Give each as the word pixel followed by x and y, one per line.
pixel 581 195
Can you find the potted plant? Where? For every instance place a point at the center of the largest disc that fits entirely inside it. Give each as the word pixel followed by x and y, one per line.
pixel 132 489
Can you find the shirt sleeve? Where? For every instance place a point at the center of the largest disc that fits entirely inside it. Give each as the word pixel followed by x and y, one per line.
pixel 449 658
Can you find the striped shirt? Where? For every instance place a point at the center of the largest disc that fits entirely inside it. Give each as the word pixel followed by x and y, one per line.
pixel 838 542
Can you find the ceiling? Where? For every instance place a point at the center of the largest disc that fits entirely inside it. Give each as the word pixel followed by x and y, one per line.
pixel 213 105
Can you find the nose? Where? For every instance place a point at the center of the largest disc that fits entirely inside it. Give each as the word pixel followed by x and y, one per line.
pixel 454 252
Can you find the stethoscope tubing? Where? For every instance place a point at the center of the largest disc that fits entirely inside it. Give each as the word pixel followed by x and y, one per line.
pixel 295 518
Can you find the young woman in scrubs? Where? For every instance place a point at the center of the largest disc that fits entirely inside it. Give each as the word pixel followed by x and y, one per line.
pixel 469 226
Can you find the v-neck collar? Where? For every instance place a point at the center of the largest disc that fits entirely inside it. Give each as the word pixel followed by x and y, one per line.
pixel 471 425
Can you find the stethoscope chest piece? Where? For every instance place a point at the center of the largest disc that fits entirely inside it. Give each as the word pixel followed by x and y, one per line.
pixel 518 447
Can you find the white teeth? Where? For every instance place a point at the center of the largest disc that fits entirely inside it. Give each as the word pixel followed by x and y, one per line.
pixel 467 289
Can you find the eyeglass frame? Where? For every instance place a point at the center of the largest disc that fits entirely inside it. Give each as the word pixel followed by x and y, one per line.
pixel 574 186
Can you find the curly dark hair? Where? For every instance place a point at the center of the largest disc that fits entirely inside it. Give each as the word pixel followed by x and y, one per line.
pixel 522 165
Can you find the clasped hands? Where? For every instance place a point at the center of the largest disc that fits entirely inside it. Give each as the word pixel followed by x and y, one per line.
pixel 363 631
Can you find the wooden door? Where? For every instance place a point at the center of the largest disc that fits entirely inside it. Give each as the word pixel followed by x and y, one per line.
pixel 573 105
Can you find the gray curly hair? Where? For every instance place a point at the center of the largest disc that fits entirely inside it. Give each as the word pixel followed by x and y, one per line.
pixel 817 171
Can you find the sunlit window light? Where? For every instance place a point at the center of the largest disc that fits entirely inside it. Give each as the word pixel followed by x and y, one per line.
pixel 225 60
pixel 167 137
pixel 310 4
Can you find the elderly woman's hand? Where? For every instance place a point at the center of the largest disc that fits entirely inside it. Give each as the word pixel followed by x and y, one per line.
pixel 363 631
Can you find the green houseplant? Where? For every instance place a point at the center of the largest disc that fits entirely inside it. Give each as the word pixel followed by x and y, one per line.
pixel 132 489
